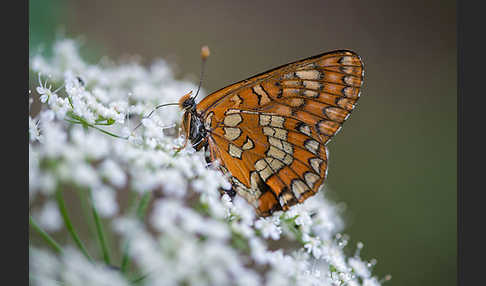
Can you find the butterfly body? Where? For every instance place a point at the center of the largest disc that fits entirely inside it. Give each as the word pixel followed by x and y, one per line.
pixel 269 132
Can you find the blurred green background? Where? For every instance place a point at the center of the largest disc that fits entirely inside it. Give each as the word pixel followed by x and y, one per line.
pixel 393 164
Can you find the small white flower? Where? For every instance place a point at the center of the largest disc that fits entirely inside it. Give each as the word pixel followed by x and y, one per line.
pixel 47 116
pixel 226 199
pixel 285 264
pixel 125 132
pixel 47 183
pixel 89 142
pixel 104 199
pixel 243 210
pixel 54 138
pixel 77 270
pixel 135 140
pixel 336 257
pixel 313 245
pixel 113 172
pixel 173 182
pixel 269 227
pixel 165 213
pixel 43 90
pixel 43 266
pixel 49 217
pixel 371 282
pixel 216 229
pixel 34 133
pixel 247 278
pixel 258 250
pixel 85 175
pixel 303 219
pixel 359 266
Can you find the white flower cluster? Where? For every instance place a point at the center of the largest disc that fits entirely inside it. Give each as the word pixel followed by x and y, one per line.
pixel 82 139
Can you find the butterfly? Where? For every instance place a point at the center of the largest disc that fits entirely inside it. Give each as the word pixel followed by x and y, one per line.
pixel 269 132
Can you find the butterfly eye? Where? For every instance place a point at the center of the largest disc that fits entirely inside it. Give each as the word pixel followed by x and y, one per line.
pixel 189 103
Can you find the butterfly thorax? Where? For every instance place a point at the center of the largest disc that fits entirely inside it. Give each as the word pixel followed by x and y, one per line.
pixel 193 125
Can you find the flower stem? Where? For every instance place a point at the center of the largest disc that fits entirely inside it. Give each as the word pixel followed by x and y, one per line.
pixel 142 206
pixel 48 239
pixel 125 260
pixel 85 205
pixel 99 231
pixel 139 279
pixel 82 121
pixel 69 225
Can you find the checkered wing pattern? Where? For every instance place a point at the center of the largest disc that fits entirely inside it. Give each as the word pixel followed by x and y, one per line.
pixel 269 132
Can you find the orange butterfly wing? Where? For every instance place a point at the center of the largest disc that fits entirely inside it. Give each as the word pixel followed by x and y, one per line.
pixel 269 131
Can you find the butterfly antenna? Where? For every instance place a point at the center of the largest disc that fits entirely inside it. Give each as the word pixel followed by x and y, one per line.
pixel 151 112
pixel 204 55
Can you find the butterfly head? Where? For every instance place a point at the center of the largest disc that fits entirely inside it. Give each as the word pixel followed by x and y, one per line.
pixel 187 102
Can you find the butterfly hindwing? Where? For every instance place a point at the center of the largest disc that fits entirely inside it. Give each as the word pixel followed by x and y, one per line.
pixel 270 131
pixel 275 154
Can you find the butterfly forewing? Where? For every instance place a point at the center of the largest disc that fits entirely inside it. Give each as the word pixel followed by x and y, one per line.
pixel 269 132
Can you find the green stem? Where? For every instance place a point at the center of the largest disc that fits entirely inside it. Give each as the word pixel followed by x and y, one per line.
pixel 83 195
pixel 100 232
pixel 106 132
pixel 142 206
pixel 83 122
pixel 139 279
pixel 45 235
pixel 69 226
pixel 125 261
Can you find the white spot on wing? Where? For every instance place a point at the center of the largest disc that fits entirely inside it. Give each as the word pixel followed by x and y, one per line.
pixel 248 144
pixel 280 133
pixel 232 120
pixel 275 142
pixel 264 99
pixel 298 188
pixel 311 93
pixel 288 159
pixel 232 111
pixel 207 122
pixel 316 164
pixel 235 151
pixel 277 121
pixel 269 131
pixel 264 119
pixel 312 146
pixel 304 128
pixel 287 147
pixel 311 178
pixel 312 84
pixel 231 133
pixel 308 74
pixel 276 153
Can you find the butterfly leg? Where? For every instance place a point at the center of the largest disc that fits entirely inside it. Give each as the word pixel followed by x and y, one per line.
pixel 231 192
pixel 178 149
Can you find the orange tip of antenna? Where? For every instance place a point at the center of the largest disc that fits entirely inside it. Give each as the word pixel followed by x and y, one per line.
pixel 205 52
